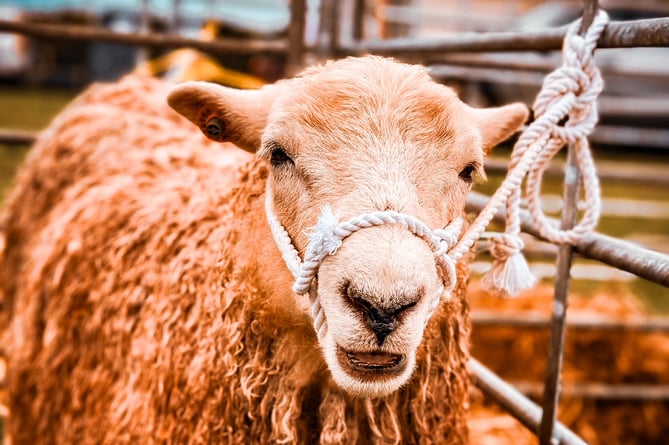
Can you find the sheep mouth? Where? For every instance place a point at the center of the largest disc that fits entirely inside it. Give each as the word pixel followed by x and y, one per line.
pixel 371 364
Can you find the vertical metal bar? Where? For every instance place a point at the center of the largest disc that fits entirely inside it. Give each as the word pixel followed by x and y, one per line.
pixel 328 40
pixel 590 8
pixel 326 24
pixel 176 17
pixel 145 17
pixel 564 261
pixel 358 19
pixel 389 30
pixel 556 342
pixel 335 29
pixel 298 16
pixel 144 27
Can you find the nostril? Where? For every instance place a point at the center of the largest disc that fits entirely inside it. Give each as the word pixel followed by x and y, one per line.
pixel 381 320
pixel 405 307
pixel 361 304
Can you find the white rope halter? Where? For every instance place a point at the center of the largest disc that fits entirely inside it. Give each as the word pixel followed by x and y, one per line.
pixel 569 92
pixel 329 233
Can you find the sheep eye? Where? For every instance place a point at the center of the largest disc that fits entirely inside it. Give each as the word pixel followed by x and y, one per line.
pixel 279 156
pixel 467 173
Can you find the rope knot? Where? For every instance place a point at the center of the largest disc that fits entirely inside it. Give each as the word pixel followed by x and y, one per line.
pixel 509 273
pixel 447 237
pixel 571 90
pixel 506 245
pixel 323 235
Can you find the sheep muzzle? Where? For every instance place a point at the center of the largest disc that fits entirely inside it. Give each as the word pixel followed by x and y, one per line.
pixel 370 310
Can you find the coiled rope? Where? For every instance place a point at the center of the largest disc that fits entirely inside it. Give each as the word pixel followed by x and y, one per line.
pixel 565 113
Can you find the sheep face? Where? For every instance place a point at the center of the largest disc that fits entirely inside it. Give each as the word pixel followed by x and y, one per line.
pixel 362 135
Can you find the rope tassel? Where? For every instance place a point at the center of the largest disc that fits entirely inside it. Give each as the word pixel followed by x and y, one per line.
pixel 510 273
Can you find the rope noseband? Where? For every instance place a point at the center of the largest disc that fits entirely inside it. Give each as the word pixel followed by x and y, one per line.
pixel 328 234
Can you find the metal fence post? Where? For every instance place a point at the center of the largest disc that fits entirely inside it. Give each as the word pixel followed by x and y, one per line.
pixel 298 13
pixel 564 261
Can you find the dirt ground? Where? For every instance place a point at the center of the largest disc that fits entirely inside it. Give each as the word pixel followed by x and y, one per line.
pixel 605 356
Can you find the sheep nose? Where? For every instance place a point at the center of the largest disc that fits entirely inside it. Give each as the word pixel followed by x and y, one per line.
pixel 382 319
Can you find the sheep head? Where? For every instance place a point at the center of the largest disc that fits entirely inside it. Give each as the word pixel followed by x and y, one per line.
pixel 362 135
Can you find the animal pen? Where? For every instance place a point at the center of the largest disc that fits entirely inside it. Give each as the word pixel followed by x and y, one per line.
pixel 342 33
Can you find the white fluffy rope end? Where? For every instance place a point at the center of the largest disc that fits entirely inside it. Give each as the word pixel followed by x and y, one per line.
pixel 510 273
pixel 323 234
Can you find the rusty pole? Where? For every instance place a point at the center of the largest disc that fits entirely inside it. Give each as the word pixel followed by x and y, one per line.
pixel 298 14
pixel 564 261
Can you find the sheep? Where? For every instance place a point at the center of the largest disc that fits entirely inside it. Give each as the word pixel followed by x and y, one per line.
pixel 145 300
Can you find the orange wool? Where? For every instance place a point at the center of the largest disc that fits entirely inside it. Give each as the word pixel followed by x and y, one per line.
pixel 144 301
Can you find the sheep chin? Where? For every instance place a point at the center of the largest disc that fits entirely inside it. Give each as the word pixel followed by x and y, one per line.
pixel 368 386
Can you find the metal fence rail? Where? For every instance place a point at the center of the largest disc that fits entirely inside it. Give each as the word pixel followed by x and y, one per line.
pixel 628 34
pixel 221 46
pixel 528 319
pixel 644 263
pixel 522 408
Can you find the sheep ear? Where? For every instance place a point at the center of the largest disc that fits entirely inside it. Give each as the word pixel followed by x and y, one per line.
pixel 498 124
pixel 225 114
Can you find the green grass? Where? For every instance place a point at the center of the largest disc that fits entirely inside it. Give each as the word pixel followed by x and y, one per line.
pixel 27 109
pixel 30 108
pixel 10 159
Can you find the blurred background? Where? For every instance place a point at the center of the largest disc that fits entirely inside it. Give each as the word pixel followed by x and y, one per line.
pixel 252 42
pixel 40 74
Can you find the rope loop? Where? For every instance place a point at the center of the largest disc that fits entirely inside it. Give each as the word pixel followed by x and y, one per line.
pixel 328 234
pixel 448 275
pixel 565 112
